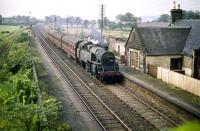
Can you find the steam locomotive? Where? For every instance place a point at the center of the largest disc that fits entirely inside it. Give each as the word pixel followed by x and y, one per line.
pixel 93 58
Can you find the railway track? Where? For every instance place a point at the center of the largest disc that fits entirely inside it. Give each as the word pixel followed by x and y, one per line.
pixel 155 117
pixel 106 118
pixel 125 107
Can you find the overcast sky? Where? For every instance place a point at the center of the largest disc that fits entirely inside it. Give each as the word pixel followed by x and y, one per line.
pixel 89 9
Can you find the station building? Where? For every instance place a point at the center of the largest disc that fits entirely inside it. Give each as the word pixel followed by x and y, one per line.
pixel 173 45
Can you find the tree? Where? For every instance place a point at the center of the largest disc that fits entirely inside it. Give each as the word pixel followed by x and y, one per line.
pixel 106 22
pixel 85 23
pixel 164 18
pixel 139 19
pixel 93 22
pixel 112 25
pixel 77 20
pixel 71 20
pixel 1 19
pixel 191 14
pixel 127 20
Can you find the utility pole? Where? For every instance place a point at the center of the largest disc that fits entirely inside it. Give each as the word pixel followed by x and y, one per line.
pixel 55 23
pixel 29 23
pixel 67 20
pixel 102 13
pixel 29 20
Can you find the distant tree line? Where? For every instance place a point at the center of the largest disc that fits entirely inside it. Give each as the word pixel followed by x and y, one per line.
pixel 72 21
pixel 124 21
pixel 1 19
pixel 21 20
pixel 186 15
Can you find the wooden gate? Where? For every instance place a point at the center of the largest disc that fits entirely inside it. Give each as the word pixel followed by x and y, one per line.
pixel 152 70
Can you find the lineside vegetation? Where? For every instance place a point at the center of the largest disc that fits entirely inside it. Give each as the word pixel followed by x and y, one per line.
pixel 21 106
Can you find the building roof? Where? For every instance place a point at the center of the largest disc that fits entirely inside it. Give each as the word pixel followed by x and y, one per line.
pixel 159 40
pixel 193 41
pixel 153 24
pixel 163 40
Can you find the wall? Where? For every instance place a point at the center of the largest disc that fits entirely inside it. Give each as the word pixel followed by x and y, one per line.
pixel 184 82
pixel 140 59
pixel 114 43
pixel 162 61
pixel 188 65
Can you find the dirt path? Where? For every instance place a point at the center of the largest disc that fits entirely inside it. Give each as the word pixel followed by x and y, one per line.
pixel 73 111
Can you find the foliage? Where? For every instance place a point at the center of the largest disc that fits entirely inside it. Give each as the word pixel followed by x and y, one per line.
pixel 22 38
pixel 186 15
pixel 164 18
pixel 85 23
pixel 18 57
pixel 191 14
pixel 1 19
pixel 17 20
pixel 189 126
pixel 128 19
pixel 21 105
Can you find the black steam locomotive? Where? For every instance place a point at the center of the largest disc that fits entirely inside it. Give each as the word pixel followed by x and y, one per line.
pixel 94 58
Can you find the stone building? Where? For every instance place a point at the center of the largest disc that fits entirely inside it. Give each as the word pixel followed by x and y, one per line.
pixel 117 45
pixel 175 46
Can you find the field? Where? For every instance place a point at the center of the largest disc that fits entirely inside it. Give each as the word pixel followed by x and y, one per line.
pixel 8 28
pixel 117 34
pixel 5 30
pixel 107 33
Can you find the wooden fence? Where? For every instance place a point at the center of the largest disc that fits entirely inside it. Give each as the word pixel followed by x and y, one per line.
pixel 187 83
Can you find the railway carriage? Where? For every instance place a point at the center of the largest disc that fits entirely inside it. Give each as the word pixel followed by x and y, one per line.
pixel 55 38
pixel 69 45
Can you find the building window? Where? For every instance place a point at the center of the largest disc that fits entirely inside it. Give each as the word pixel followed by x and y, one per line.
pixel 176 64
pixel 134 59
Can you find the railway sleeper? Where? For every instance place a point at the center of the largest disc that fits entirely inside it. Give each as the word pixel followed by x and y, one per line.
pixel 113 125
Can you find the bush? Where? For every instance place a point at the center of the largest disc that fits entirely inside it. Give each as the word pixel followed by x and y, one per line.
pixel 5 32
pixel 23 37
pixel 64 127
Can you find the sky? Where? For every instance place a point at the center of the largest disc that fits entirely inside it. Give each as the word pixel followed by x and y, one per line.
pixel 90 9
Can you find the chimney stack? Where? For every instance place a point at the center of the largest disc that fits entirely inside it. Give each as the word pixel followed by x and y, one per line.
pixel 176 14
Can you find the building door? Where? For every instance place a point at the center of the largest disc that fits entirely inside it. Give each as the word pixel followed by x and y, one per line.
pixel 197 63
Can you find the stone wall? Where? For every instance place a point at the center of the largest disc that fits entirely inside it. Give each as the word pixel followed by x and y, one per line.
pixel 162 61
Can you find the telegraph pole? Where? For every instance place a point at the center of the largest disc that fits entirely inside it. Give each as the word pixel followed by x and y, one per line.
pixel 55 23
pixel 67 20
pixel 29 23
pixel 102 13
